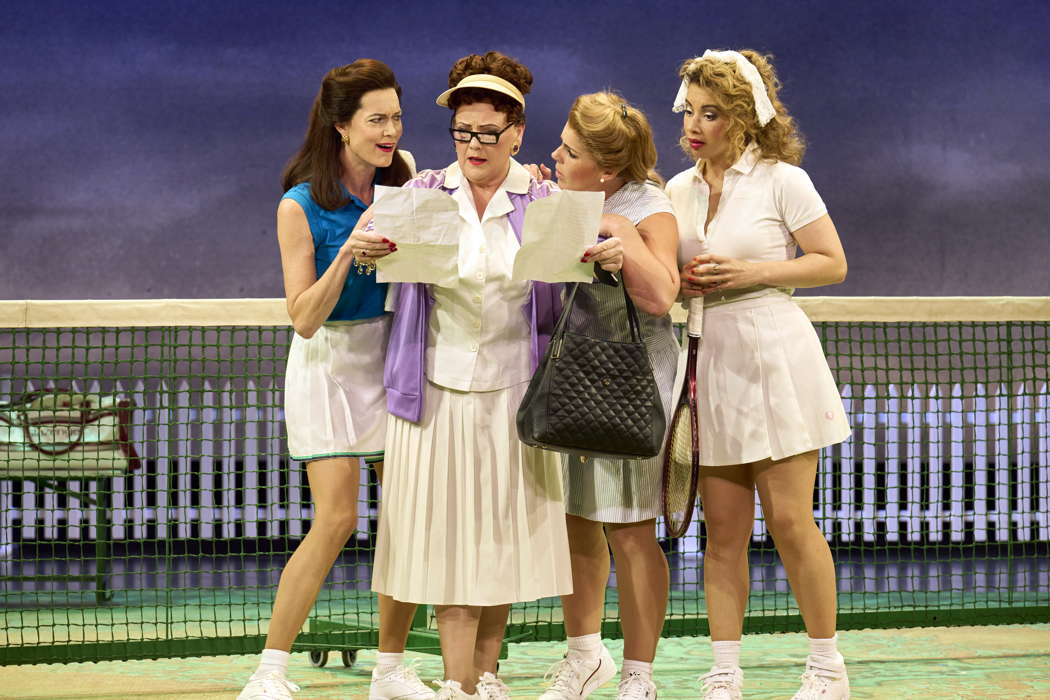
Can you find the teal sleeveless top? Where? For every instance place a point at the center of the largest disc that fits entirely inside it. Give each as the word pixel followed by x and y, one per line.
pixel 362 297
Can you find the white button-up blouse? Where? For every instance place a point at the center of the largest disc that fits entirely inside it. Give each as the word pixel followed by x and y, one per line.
pixel 478 337
pixel 762 203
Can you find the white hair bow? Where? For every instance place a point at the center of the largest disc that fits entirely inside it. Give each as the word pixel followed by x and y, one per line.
pixel 763 107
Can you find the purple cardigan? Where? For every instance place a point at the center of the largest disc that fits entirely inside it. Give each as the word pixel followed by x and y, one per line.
pixel 403 375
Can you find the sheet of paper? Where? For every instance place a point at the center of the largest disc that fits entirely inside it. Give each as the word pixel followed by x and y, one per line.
pixel 557 230
pixel 425 225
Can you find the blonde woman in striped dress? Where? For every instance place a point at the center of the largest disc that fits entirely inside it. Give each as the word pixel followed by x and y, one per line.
pixel 607 146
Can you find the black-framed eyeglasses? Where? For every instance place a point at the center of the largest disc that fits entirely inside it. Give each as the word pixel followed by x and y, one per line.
pixel 487 138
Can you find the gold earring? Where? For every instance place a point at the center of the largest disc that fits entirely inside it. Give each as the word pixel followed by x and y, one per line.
pixel 514 151
pixel 346 139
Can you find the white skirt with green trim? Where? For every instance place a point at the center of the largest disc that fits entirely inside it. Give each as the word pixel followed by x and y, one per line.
pixel 334 401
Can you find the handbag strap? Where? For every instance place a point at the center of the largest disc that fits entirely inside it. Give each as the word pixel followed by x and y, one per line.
pixel 632 315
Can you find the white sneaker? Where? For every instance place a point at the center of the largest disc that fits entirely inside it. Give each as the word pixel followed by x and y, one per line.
pixel 823 681
pixel 575 677
pixel 269 686
pixel 636 686
pixel 400 684
pixel 451 690
pixel 722 683
pixel 492 688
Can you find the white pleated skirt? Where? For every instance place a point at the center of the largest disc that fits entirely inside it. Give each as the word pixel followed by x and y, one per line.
pixel 470 515
pixel 764 389
pixel 334 401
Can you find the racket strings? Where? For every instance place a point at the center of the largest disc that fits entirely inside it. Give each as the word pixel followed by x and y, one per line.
pixel 682 440
pixel 681 460
pixel 679 487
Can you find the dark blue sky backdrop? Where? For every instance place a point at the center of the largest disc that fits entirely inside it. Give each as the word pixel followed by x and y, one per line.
pixel 141 143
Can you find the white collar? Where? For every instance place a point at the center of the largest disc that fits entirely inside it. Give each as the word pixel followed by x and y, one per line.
pixel 743 165
pixel 748 159
pixel 518 179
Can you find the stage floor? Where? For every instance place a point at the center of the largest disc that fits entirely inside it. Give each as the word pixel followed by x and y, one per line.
pixel 968 663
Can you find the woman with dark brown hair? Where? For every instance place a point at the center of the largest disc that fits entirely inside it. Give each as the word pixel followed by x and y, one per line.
pixel 334 403
pixel 472 519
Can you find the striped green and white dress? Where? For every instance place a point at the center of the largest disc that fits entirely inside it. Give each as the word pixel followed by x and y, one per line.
pixel 615 490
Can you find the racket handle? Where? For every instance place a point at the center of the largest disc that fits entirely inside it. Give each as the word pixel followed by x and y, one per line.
pixel 695 322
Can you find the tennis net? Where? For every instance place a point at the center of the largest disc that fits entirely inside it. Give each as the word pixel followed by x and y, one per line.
pixel 937 507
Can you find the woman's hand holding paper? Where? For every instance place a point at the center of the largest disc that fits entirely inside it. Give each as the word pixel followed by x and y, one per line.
pixel 364 244
pixel 608 254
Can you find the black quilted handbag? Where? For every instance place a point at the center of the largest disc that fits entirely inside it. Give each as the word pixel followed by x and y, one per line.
pixel 593 396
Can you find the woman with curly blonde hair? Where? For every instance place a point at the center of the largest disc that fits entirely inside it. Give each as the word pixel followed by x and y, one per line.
pixel 767 401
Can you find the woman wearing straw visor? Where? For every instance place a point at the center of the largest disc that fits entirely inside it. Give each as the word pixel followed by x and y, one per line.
pixel 334 403
pixel 607 146
pixel 767 401
pixel 472 519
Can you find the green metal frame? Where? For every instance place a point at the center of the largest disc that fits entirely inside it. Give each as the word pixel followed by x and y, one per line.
pixel 421 637
pixel 104 527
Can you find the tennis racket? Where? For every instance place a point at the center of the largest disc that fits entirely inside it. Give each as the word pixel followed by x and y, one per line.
pixel 682 451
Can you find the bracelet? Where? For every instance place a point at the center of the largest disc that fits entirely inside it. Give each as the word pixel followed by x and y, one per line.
pixel 363 268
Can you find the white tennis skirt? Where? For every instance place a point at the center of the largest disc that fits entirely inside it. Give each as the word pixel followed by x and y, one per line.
pixel 334 401
pixel 764 389
pixel 470 515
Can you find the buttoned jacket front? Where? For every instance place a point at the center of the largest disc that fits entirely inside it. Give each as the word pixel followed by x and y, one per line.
pixel 468 350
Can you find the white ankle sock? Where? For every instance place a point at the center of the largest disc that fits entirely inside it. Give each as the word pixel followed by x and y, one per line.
pixel 586 645
pixel 387 661
pixel 644 668
pixel 726 653
pixel 273 661
pixel 826 650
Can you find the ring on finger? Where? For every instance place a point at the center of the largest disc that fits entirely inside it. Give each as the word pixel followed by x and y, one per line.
pixel 715 268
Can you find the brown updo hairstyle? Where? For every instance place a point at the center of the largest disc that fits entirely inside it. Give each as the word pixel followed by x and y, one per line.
pixel 617 135
pixel 779 139
pixel 499 65
pixel 318 159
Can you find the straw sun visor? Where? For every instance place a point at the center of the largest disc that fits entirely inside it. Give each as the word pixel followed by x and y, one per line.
pixel 483 81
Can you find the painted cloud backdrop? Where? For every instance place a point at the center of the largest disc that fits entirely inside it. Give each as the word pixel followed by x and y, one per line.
pixel 141 143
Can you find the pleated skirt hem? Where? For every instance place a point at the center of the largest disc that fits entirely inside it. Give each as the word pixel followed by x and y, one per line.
pixel 764 388
pixel 470 515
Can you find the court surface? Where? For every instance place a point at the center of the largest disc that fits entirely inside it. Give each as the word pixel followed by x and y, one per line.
pixel 971 663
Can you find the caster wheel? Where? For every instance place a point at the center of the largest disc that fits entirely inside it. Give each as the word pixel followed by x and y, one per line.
pixel 349 657
pixel 318 658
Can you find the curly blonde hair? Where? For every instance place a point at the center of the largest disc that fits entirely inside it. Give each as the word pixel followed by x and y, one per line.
pixel 779 139
pixel 616 134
